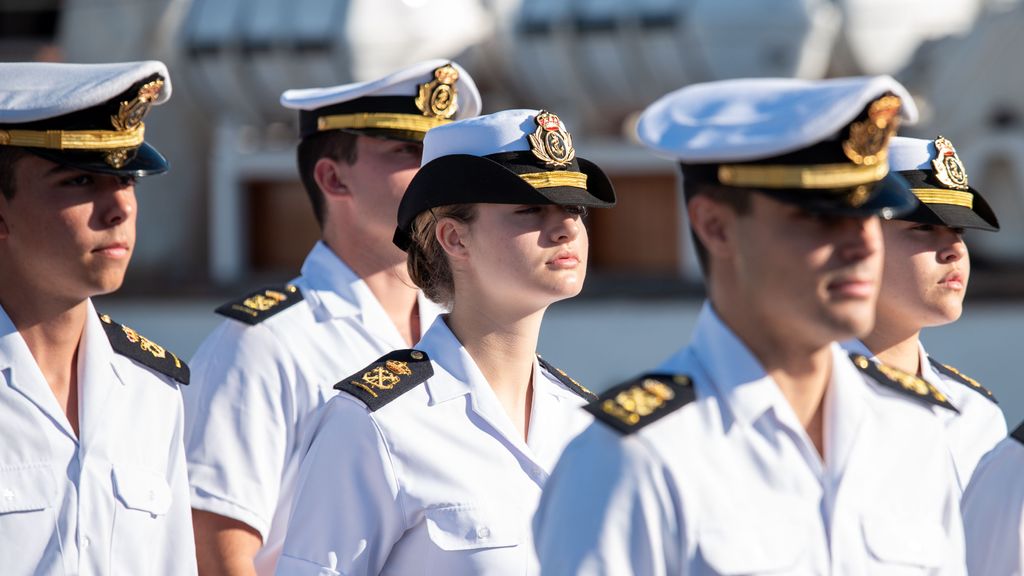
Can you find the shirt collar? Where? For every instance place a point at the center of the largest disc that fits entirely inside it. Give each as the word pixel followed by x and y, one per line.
pixel 448 354
pixel 334 286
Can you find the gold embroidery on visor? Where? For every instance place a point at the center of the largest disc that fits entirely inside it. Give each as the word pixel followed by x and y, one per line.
pixel 379 120
pixel 74 139
pixel 554 179
pixel 820 176
pixel 933 196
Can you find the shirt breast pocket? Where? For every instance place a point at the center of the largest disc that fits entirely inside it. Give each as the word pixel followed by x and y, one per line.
pixel 29 503
pixel 27 489
pixel 466 527
pixel 904 547
pixel 142 490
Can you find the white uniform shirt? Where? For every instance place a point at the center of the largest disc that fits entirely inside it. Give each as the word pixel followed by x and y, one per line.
pixel 438 481
pixel 977 428
pixel 254 386
pixel 994 511
pixel 731 484
pixel 111 501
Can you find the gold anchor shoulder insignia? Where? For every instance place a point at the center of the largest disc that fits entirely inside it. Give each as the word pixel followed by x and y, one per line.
pixel 257 306
pixel 439 98
pixel 636 403
pixel 902 382
pixel 948 168
pixel 868 141
pixel 568 381
pixel 958 376
pixel 129 119
pixel 127 342
pixel 388 378
pixel 551 142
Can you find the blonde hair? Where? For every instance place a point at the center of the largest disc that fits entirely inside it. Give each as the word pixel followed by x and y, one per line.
pixel 427 262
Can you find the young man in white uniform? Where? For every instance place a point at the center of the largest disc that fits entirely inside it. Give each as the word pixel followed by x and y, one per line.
pixel 92 466
pixel 763 447
pixel 927 268
pixel 261 373
pixel 994 510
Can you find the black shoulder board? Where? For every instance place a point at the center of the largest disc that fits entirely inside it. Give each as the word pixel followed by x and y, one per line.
pixel 900 381
pixel 261 304
pixel 569 382
pixel 636 403
pixel 1018 434
pixel 963 379
pixel 128 342
pixel 389 377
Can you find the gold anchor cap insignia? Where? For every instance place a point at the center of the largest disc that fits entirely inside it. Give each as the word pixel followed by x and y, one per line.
pixel 439 98
pixel 551 142
pixel 948 168
pixel 129 118
pixel 868 142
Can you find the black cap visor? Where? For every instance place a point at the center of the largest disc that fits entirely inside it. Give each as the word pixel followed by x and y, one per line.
pixel 888 198
pixel 143 161
pixel 468 179
pixel 980 217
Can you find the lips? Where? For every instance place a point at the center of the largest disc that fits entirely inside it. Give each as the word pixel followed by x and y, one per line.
pixel 565 259
pixel 954 280
pixel 113 249
pixel 852 287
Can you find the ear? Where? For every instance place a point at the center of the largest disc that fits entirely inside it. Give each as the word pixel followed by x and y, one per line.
pixel 452 236
pixel 714 224
pixel 330 176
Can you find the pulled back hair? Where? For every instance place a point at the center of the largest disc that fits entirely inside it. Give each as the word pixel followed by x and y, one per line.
pixel 427 262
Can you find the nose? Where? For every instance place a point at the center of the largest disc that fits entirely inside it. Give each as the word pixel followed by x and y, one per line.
pixel 953 249
pixel 566 227
pixel 120 205
pixel 864 238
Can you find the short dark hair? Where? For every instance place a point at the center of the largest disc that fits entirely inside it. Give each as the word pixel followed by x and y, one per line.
pixel 9 155
pixel 334 144
pixel 736 198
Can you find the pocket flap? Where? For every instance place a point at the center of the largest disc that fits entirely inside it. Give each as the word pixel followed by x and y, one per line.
pixel 26 489
pixel 751 549
pixel 898 541
pixel 141 489
pixel 467 527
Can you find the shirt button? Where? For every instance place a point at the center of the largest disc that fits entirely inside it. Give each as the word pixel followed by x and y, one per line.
pixel 483 533
pixel 86 542
pixel 9 495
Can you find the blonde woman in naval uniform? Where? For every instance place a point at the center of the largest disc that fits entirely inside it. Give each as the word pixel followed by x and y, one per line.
pixel 432 461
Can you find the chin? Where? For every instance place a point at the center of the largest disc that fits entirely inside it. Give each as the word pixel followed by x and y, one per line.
pixel 852 320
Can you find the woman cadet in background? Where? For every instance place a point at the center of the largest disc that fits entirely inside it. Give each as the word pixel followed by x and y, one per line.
pixel 432 461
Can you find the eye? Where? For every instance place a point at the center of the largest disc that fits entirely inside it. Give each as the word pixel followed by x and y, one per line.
pixel 78 180
pixel 576 210
pixel 127 180
pixel 528 209
pixel 923 228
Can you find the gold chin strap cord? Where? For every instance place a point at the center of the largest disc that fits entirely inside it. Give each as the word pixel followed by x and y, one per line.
pixel 952 197
pixel 74 139
pixel 817 176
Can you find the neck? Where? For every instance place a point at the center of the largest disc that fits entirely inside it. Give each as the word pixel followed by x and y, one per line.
pixel 52 333
pixel 801 368
pixel 504 348
pixel 387 278
pixel 897 348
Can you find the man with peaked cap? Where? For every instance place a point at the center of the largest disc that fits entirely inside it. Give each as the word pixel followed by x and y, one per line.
pixel 763 447
pixel 264 370
pixel 927 268
pixel 92 465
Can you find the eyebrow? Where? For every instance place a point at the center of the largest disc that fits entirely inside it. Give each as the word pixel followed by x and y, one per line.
pixel 61 168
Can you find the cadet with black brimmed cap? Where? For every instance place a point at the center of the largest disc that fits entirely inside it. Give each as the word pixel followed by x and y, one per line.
pixel 262 373
pixel 927 268
pixel 92 465
pixel 763 447
pixel 432 460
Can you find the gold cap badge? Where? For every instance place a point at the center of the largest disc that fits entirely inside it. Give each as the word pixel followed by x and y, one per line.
pixel 868 143
pixel 948 168
pixel 551 143
pixel 438 98
pixel 129 118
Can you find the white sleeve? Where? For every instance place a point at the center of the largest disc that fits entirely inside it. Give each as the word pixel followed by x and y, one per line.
pixel 241 419
pixel 993 507
pixel 347 513
pixel 181 546
pixel 608 510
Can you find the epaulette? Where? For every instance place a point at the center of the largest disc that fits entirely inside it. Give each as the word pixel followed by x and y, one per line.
pixel 127 342
pixel 900 381
pixel 1018 434
pixel 636 403
pixel 569 382
pixel 958 376
pixel 261 304
pixel 389 377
